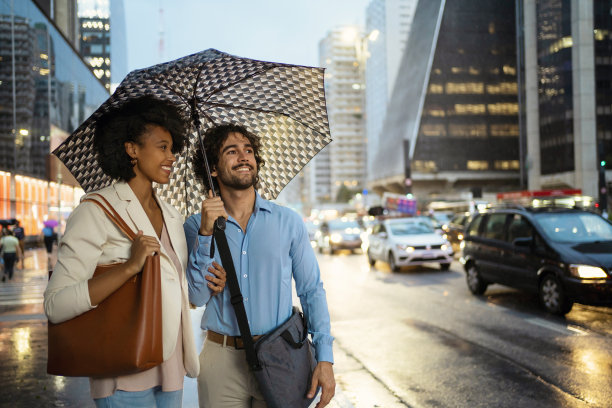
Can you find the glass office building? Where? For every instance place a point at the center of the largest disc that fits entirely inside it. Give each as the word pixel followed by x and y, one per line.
pixel 46 91
pixel 452 128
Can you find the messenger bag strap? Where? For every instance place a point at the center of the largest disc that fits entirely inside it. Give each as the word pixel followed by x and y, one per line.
pixel 113 215
pixel 236 298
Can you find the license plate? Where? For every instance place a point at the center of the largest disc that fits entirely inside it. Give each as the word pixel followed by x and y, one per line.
pixel 427 255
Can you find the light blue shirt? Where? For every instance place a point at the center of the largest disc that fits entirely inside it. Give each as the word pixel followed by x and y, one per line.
pixel 274 249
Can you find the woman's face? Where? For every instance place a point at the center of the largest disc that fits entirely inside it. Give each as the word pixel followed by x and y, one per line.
pixel 153 154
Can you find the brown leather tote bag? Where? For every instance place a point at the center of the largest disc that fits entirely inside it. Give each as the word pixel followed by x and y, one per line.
pixel 123 335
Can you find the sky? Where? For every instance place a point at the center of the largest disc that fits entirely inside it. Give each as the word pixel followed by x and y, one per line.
pixel 286 31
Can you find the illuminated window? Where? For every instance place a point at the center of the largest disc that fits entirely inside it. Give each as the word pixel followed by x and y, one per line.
pixel 474 71
pixel 436 88
pixel 469 109
pixel 506 164
pixel 464 88
pixel 504 88
pixel 457 70
pixel 505 130
pixel 491 28
pixel 508 70
pixel 477 165
pixel 473 130
pixel 425 166
pixel 435 111
pixel 433 130
pixel 503 108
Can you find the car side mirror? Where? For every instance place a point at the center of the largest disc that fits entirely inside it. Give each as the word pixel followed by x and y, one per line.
pixel 382 234
pixel 524 242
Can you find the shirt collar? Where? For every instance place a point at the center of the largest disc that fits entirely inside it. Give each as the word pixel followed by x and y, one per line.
pixel 261 203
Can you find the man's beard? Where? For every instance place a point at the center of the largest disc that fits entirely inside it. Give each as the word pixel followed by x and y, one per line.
pixel 236 182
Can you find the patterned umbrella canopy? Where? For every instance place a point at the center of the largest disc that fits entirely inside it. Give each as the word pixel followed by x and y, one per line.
pixel 283 104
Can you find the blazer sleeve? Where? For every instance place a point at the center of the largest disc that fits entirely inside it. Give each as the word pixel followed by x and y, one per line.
pixel 67 294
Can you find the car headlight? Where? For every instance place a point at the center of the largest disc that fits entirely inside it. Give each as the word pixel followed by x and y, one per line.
pixel 444 247
pixel 459 237
pixel 587 272
pixel 445 236
pixel 335 238
pixel 405 248
pixel 462 245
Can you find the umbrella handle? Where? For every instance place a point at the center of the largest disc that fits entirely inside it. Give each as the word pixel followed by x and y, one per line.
pixel 220 224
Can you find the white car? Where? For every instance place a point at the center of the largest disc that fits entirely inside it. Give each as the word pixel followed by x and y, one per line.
pixel 408 241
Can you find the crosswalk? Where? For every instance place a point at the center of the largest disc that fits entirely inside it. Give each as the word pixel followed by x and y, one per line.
pixel 28 284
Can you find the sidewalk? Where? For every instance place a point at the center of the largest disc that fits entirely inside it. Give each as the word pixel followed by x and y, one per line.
pixel 23 348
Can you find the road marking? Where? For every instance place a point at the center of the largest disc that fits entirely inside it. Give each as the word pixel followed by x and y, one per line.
pixel 559 328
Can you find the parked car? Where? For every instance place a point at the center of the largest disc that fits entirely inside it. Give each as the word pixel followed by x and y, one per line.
pixel 563 255
pixel 455 229
pixel 339 234
pixel 408 241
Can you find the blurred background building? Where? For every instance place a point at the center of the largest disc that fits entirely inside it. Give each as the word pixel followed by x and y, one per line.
pixel 340 168
pixel 46 91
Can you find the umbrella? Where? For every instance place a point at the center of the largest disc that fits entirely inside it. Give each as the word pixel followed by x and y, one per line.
pixel 283 104
pixel 51 223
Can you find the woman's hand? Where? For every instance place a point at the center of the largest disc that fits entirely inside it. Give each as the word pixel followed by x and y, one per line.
pixel 216 283
pixel 142 247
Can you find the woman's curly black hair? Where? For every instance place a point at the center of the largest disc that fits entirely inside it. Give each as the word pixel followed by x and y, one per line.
pixel 213 140
pixel 128 123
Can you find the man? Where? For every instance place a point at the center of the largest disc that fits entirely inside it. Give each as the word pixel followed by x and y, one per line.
pixel 269 245
pixel 19 233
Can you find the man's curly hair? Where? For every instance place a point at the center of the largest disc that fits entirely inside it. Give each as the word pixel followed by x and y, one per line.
pixel 129 123
pixel 213 139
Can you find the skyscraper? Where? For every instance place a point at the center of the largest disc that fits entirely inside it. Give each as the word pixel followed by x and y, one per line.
pixel 341 166
pixel 451 127
pixel 568 83
pixel 95 45
pixel 387 24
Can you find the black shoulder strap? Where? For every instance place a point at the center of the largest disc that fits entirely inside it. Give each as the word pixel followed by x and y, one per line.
pixel 236 298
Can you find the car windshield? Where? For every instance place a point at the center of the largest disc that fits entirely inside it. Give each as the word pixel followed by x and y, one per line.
pixel 575 227
pixel 337 225
pixel 411 228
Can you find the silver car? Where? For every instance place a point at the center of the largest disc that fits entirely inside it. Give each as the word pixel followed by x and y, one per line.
pixel 408 241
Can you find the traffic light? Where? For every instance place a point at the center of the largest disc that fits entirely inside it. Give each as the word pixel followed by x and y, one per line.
pixel 603 188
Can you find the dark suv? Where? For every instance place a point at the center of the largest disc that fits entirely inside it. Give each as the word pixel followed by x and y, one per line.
pixel 564 255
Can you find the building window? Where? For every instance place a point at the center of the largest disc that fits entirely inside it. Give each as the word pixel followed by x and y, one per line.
pixel 424 166
pixel 503 88
pixel 469 109
pixel 506 164
pixel 503 108
pixel 433 130
pixel 504 130
pixel 436 88
pixel 472 130
pixel 464 88
pixel 477 165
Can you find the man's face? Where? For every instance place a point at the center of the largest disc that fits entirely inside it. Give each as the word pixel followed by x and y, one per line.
pixel 237 167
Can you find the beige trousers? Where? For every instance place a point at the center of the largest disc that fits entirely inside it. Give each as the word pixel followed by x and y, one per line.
pixel 225 380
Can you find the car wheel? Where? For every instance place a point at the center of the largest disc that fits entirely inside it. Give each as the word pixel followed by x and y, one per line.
pixel 552 296
pixel 371 260
pixel 474 281
pixel 445 266
pixel 392 263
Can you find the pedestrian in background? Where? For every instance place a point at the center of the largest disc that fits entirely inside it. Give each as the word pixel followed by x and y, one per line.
pixel 19 233
pixel 270 248
pixel 136 144
pixel 49 237
pixel 11 253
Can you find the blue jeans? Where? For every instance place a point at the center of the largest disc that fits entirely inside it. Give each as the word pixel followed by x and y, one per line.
pixel 151 398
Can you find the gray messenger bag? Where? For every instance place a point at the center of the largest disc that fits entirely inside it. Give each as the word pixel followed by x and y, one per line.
pixel 282 360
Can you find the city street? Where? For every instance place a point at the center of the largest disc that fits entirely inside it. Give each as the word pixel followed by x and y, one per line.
pixel 416 338
pixel 431 343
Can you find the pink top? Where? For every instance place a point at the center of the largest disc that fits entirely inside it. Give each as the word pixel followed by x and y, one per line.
pixel 169 374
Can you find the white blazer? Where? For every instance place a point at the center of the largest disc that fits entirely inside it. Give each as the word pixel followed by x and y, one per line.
pixel 91 238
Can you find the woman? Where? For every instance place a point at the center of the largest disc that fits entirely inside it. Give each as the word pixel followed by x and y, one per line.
pixel 135 144
pixel 9 245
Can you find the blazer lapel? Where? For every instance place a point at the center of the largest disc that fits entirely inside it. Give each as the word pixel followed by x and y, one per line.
pixel 174 225
pixel 134 210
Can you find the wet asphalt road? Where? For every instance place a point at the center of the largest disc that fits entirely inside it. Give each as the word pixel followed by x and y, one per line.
pixel 430 343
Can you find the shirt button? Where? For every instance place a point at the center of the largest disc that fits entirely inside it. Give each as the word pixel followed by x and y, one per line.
pixel 244 276
pixel 246 299
pixel 243 252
